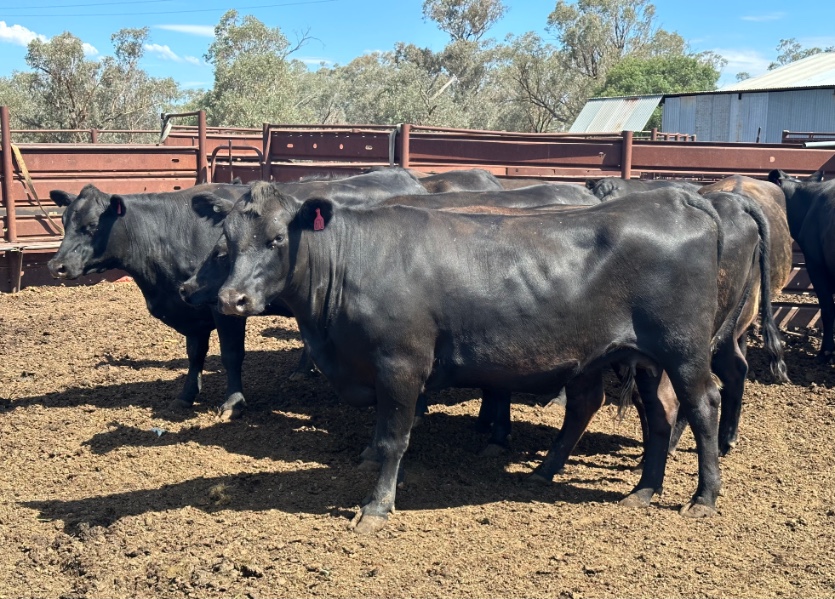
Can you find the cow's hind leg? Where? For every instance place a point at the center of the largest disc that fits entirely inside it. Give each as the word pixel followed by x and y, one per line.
pixel 822 284
pixel 699 399
pixel 197 346
pixel 231 331
pixel 730 366
pixel 660 407
pixel 584 397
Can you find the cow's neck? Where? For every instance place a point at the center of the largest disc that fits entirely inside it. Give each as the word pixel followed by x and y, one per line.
pixel 146 244
pixel 314 288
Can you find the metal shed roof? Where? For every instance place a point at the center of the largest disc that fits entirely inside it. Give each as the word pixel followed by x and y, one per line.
pixel 817 70
pixel 602 115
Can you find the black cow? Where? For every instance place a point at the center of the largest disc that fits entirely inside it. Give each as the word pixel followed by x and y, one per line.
pixel 745 288
pixel 475 179
pixel 609 188
pixel 523 303
pixel 366 188
pixel 534 196
pixel 157 239
pixel 358 190
pixel 810 208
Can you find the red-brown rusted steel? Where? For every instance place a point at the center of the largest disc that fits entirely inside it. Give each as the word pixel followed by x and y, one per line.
pixel 720 159
pixel 8 176
pixel 653 134
pixel 202 162
pixel 626 156
pixel 231 158
pixel 405 137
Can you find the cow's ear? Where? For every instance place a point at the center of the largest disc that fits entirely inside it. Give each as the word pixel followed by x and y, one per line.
pixel 208 205
pixel 62 198
pixel 117 205
pixel 315 214
pixel 777 176
pixel 590 183
pixel 816 177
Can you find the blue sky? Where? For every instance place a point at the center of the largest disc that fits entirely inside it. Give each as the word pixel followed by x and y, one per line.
pixel 746 32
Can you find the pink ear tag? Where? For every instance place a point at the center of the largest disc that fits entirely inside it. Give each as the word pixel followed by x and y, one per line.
pixel 319 221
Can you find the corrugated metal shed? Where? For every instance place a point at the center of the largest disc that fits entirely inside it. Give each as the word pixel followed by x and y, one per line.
pixel 817 70
pixel 602 115
pixel 746 116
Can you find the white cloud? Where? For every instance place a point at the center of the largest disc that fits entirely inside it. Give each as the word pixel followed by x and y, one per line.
pixel 18 34
pixel 201 30
pixel 750 61
pixel 167 53
pixel 772 16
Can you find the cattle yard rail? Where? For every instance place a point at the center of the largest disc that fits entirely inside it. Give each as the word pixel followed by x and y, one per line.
pixel 193 153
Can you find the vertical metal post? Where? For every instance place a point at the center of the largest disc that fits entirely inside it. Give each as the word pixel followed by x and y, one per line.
pixel 653 134
pixel 405 155
pixel 266 168
pixel 94 136
pixel 626 155
pixel 202 163
pixel 8 175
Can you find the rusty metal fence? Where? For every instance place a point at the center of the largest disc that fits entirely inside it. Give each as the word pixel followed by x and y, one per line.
pixel 190 154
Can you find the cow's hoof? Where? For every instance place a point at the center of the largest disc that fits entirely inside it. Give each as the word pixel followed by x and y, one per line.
pixel 697 510
pixel 368 453
pixel 369 466
pixel 301 375
pixel 181 405
pixel 824 357
pixel 368 524
pixel 639 499
pixel 725 448
pixel 537 479
pixel 417 422
pixel 493 450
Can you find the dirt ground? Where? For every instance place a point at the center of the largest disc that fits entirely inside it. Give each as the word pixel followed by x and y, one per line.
pixel 105 493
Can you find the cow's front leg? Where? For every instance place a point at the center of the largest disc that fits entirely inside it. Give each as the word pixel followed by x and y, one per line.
pixel 396 398
pixel 197 346
pixel 231 331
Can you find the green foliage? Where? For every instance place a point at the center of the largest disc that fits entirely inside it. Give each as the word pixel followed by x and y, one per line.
pixel 464 20
pixel 66 90
pixel 790 50
pixel 254 79
pixel 659 75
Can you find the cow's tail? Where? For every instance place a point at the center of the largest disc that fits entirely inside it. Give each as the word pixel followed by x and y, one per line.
pixel 771 334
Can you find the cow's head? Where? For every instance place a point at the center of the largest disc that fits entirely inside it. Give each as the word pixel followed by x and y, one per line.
pixel 88 219
pixel 262 233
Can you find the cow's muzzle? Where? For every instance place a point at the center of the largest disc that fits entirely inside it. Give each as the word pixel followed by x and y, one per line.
pixel 59 270
pixel 235 303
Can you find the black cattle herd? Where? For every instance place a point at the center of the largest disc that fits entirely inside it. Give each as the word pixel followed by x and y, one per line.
pixel 403 284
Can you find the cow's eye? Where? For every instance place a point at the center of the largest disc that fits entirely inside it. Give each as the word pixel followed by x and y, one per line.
pixel 277 241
